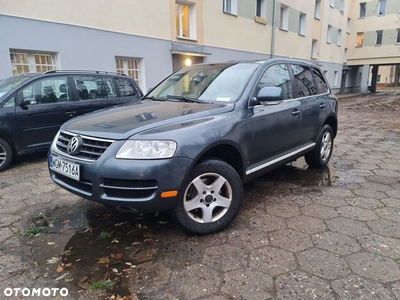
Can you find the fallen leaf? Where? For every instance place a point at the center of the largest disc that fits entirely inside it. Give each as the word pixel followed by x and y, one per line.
pixel 136 243
pixel 65 221
pixel 119 224
pixel 61 277
pixel 149 240
pixel 127 248
pixel 53 260
pixel 119 256
pixel 79 259
pixel 59 269
pixel 83 279
pixel 127 270
pixel 67 265
pixel 128 263
pixel 115 241
pixel 51 243
pixel 115 270
pixel 112 255
pixel 103 260
pixel 68 279
pixel 384 246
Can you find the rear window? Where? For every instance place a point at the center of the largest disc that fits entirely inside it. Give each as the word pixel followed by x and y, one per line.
pixel 320 82
pixel 125 87
pixel 94 87
pixel 304 81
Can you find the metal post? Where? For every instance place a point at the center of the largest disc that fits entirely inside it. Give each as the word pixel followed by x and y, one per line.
pixel 273 30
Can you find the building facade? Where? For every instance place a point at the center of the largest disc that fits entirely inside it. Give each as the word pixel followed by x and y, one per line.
pixel 149 39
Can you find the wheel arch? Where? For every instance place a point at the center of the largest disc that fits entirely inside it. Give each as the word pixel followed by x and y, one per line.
pixel 332 122
pixel 9 140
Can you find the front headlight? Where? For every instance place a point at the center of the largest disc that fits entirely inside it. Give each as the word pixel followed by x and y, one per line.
pixel 147 149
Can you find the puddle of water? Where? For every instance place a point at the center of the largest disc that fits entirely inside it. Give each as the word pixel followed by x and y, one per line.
pixel 87 245
pixel 298 172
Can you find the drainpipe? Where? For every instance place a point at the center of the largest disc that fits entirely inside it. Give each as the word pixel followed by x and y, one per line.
pixel 273 30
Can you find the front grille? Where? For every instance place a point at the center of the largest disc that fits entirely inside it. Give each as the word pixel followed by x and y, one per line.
pixel 129 189
pixel 83 185
pixel 92 148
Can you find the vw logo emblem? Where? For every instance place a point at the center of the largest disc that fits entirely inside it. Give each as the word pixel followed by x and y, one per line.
pixel 74 145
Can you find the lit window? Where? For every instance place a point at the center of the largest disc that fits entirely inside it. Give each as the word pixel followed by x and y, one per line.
pixel 360 39
pixel 230 7
pixel 284 18
pixel 185 20
pixel 332 3
pixel 339 38
pixel 27 61
pixel 302 24
pixel 130 67
pixel 314 49
pixel 363 9
pixel 382 7
pixel 348 25
pixel 317 13
pixel 261 9
pixel 379 36
pixel 329 34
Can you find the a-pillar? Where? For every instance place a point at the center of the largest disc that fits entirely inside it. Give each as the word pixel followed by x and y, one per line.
pixel 364 79
pixel 374 79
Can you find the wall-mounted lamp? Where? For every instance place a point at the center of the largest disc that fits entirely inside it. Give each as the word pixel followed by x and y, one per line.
pixel 188 62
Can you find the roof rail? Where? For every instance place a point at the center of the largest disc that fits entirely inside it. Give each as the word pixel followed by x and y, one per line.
pixel 83 71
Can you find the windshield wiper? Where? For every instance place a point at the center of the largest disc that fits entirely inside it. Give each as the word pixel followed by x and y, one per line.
pixel 153 98
pixel 184 98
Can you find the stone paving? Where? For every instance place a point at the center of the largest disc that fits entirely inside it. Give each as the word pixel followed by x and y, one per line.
pixel 300 234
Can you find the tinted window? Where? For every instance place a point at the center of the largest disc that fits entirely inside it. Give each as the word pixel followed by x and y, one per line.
pixel 320 83
pixel 276 76
pixel 125 87
pixel 304 81
pixel 94 87
pixel 47 90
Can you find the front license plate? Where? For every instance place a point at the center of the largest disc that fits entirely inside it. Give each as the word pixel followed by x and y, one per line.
pixel 64 167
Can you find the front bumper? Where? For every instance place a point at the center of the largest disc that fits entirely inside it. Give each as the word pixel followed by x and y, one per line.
pixel 132 184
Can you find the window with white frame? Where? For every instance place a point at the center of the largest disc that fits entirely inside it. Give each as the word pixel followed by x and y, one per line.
pixel 130 67
pixel 332 3
pixel 261 9
pixel 185 20
pixel 345 55
pixel 363 9
pixel 329 34
pixel 314 49
pixel 29 61
pixel 341 6
pixel 379 36
pixel 302 24
pixel 317 13
pixel 398 37
pixel 382 7
pixel 335 78
pixel 348 25
pixel 284 24
pixel 339 38
pixel 230 7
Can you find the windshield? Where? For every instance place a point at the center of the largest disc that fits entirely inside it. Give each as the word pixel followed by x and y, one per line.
pixel 214 82
pixel 11 82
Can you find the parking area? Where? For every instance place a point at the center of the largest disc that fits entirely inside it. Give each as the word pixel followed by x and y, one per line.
pixel 301 233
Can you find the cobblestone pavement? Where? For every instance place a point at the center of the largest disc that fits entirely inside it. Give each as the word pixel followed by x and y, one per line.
pixel 301 234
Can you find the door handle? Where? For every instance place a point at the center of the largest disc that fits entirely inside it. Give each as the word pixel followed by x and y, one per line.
pixel 70 113
pixel 295 113
pixel 322 105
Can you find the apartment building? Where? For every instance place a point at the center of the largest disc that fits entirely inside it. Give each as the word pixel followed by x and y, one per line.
pixel 149 39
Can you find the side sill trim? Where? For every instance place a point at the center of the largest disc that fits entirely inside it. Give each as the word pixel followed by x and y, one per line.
pixel 279 159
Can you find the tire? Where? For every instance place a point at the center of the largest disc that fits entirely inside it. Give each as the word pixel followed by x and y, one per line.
pixel 210 199
pixel 319 157
pixel 5 155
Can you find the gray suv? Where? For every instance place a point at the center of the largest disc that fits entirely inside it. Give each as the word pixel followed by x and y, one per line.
pixel 190 144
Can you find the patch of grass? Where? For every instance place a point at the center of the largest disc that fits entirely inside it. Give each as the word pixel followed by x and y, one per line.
pixel 104 235
pixel 32 231
pixel 45 220
pixel 102 285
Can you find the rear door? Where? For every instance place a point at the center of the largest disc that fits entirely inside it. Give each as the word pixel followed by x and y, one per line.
pixel 100 91
pixel 275 126
pixel 49 106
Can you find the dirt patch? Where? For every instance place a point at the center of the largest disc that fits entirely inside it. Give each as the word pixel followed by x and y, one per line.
pixel 386 103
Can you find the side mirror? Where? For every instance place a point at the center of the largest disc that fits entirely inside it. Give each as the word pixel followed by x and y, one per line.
pixel 270 94
pixel 29 101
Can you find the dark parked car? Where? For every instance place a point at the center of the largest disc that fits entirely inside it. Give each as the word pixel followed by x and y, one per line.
pixel 34 105
pixel 189 144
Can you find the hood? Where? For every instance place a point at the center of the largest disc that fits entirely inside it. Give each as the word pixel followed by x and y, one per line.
pixel 121 122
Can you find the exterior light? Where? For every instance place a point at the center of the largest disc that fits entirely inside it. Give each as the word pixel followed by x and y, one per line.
pixel 188 62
